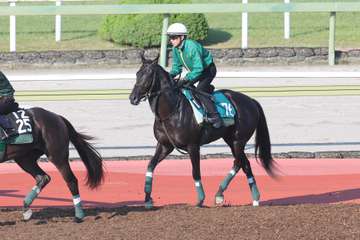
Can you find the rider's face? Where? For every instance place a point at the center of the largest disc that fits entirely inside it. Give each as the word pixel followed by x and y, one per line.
pixel 175 40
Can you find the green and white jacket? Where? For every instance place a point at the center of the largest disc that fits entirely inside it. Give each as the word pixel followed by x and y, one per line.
pixel 191 55
pixel 5 87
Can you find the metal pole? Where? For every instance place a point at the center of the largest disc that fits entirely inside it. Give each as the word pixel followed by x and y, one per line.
pixel 164 40
pixel 58 24
pixel 244 27
pixel 331 53
pixel 286 22
pixel 12 29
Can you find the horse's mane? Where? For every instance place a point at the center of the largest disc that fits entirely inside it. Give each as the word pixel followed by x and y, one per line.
pixel 165 74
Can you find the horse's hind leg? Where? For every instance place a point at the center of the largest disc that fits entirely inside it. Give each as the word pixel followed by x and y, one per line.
pixel 194 152
pixel 219 197
pixel 241 160
pixel 29 165
pixel 62 164
pixel 250 178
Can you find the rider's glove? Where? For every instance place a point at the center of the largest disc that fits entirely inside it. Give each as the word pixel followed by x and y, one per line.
pixel 182 82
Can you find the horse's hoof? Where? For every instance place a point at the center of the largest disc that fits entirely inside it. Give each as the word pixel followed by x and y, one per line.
pixel 78 220
pixel 149 204
pixel 200 204
pixel 27 214
pixel 219 200
pixel 255 203
pixel 79 214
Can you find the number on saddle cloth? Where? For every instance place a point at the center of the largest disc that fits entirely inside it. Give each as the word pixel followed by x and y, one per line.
pixel 21 123
pixel 224 107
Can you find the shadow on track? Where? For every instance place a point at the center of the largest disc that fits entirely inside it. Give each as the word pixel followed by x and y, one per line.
pixel 329 197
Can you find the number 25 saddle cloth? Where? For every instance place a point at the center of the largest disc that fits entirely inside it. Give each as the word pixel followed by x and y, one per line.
pixel 22 125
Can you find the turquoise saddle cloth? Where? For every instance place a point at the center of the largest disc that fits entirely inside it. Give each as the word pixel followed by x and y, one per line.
pixel 224 107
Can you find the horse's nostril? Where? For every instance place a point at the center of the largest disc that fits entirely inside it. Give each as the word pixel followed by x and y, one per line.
pixel 133 100
pixel 132 96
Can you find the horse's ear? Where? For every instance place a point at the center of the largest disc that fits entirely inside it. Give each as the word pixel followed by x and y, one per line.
pixel 156 60
pixel 142 53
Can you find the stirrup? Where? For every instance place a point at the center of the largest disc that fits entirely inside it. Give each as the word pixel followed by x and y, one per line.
pixel 6 135
pixel 216 121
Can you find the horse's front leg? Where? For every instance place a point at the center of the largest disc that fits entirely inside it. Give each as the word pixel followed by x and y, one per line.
pixel 194 152
pixel 28 163
pixel 160 153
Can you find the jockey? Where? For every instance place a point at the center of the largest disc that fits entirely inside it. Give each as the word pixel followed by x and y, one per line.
pixel 198 62
pixel 7 104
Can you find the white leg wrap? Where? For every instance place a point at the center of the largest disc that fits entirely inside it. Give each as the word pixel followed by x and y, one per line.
pixel 197 183
pixel 36 189
pixel 251 180
pixel 76 200
pixel 149 174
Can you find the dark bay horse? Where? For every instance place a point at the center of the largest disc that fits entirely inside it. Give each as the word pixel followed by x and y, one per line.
pixel 176 127
pixel 52 134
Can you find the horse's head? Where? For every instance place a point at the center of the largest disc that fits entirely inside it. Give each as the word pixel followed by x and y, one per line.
pixel 145 80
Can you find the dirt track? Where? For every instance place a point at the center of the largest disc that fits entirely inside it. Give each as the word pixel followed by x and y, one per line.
pixel 323 204
pixel 322 221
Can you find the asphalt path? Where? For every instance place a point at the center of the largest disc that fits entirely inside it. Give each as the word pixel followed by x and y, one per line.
pixel 303 114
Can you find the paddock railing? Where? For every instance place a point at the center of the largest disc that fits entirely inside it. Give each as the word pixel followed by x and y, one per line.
pixel 167 9
pixel 244 20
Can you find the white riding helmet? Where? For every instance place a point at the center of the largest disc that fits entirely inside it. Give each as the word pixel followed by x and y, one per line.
pixel 177 29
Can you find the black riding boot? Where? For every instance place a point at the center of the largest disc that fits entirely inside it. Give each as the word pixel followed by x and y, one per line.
pixel 213 116
pixel 7 129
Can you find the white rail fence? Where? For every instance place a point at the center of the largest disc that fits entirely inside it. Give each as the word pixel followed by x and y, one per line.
pixel 245 25
pixel 12 30
pixel 223 74
pixel 244 22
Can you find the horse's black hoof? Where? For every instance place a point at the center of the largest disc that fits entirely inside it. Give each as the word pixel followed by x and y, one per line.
pixel 149 204
pixel 200 204
pixel 78 220
pixel 41 222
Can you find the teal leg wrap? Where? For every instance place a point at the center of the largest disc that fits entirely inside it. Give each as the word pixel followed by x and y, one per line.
pixel 79 212
pixel 148 189
pixel 148 183
pixel 31 196
pixel 225 183
pixel 219 197
pixel 200 192
pixel 254 190
pixel 148 180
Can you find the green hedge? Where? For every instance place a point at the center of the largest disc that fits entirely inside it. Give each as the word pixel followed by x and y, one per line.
pixel 144 31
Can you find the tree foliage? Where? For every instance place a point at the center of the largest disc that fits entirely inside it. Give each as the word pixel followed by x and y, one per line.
pixel 144 31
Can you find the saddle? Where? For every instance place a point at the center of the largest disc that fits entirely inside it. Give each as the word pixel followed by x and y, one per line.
pixel 223 106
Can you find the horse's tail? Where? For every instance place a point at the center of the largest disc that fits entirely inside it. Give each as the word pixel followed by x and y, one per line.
pixel 88 154
pixel 262 142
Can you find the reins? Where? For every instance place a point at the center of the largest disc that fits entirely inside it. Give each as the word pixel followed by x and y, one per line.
pixel 171 141
pixel 156 94
pixel 150 92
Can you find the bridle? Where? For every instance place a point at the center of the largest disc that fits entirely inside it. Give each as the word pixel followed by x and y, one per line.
pixel 149 93
pixel 154 94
